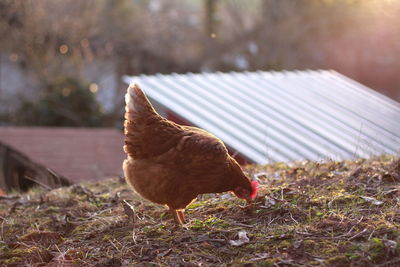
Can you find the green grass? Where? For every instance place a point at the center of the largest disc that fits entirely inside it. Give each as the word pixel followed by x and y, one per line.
pixel 307 213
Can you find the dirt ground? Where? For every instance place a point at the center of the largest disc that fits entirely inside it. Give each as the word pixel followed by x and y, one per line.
pixel 306 213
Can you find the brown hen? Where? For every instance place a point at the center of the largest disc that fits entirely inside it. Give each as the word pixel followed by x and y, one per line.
pixel 171 164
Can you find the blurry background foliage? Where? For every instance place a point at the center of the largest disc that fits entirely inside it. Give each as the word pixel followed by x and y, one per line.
pixel 87 46
pixel 64 102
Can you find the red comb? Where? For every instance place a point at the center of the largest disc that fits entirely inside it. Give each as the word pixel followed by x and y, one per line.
pixel 254 189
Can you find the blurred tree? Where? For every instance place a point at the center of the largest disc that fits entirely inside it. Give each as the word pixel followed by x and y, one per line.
pixel 93 39
pixel 210 28
pixel 67 102
pixel 210 16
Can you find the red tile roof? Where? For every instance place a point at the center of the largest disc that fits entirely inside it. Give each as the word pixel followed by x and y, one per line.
pixel 78 154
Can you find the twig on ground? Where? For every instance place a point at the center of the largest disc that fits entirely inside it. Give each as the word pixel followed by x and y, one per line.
pixel 358 234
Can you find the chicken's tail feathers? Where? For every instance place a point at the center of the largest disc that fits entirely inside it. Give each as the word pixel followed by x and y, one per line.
pixel 137 108
pixel 136 102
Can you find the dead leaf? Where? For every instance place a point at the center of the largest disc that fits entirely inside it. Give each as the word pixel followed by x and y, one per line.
pixel 269 202
pixel 242 239
pixel 129 210
pixel 297 243
pixel 390 245
pixel 226 196
pixel 373 201
pixel 260 256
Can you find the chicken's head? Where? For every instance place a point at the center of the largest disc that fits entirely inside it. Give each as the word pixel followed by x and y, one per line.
pixel 247 193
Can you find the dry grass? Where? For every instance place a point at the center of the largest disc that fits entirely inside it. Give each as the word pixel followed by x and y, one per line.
pixel 308 213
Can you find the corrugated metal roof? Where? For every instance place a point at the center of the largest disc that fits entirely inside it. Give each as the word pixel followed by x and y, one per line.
pixel 282 116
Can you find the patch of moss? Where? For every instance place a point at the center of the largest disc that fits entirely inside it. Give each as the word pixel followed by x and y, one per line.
pixel 310 244
pixel 389 230
pixel 330 250
pixel 107 237
pixel 154 231
pixel 19 256
pixel 339 260
pixel 213 221
pixel 377 250
pixel 197 225
pixel 11 261
pixel 196 204
pixel 284 244
pixel 79 229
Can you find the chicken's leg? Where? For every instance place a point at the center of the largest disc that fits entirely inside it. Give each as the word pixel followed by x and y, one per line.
pixel 181 215
pixel 177 218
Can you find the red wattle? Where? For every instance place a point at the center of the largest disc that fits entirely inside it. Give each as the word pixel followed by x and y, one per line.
pixel 254 189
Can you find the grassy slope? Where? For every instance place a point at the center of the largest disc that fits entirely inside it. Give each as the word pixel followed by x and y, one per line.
pixel 307 213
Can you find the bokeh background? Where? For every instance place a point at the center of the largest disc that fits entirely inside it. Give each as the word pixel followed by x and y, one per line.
pixel 62 61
